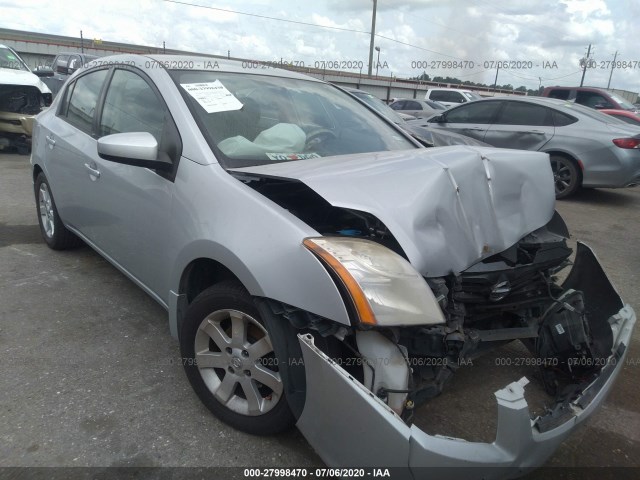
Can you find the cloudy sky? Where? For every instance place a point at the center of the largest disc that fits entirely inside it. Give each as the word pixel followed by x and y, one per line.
pixel 413 35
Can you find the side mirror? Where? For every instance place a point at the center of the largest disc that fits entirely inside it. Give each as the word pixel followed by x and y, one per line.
pixel 43 72
pixel 438 119
pixel 139 149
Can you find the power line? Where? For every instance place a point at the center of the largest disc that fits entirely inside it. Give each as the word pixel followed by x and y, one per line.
pixel 309 24
pixel 267 17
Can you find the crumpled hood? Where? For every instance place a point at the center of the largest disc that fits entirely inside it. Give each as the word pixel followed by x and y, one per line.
pixel 448 207
pixel 10 76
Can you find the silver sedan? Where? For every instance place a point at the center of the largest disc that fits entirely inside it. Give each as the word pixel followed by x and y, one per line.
pixel 587 148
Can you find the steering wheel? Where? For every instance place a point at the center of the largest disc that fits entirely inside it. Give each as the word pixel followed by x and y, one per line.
pixel 315 137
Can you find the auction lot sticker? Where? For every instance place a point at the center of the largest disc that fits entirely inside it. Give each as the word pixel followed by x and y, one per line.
pixel 213 96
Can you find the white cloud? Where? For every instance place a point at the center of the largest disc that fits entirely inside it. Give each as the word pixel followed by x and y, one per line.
pixel 545 30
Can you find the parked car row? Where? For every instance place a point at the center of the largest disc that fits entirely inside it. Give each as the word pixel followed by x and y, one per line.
pixel 321 268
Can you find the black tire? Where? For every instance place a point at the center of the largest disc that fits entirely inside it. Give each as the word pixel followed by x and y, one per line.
pixel 567 177
pixel 51 227
pixel 227 370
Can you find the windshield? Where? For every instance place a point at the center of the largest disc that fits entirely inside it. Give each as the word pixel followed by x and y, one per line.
pixel 256 119
pixel 622 102
pixel 379 106
pixel 472 96
pixel 9 59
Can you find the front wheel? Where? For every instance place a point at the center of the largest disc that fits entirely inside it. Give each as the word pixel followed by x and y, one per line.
pixel 566 176
pixel 229 360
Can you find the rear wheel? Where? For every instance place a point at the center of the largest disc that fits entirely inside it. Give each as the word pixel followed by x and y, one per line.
pixel 53 230
pixel 566 176
pixel 229 360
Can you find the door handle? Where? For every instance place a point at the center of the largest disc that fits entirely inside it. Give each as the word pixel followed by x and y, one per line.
pixel 475 128
pixel 50 140
pixel 536 132
pixel 92 171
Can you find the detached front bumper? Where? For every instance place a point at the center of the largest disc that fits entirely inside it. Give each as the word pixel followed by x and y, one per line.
pixel 350 427
pixel 16 123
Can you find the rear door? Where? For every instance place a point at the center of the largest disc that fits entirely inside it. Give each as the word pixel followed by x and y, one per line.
pixel 472 119
pixel 521 125
pixel 71 149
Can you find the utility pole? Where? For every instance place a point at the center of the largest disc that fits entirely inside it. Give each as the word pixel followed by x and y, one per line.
pixel 373 34
pixel 612 67
pixel 495 82
pixel 81 42
pixel 164 50
pixel 584 65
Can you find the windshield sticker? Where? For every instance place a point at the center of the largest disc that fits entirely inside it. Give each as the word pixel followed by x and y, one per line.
pixel 213 96
pixel 291 156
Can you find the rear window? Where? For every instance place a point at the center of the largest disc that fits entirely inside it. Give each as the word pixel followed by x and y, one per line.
pixel 560 94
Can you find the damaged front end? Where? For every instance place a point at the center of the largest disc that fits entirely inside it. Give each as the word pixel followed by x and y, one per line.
pixel 578 331
pixel 435 273
pixel 19 104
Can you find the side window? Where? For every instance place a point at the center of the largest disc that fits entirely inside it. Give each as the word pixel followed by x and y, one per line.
pixel 438 96
pixel 411 105
pixel 593 100
pixel 83 100
pixel 399 105
pixel 560 94
pixel 476 112
pixel 455 97
pixel 61 64
pixel 561 120
pixel 519 113
pixel 131 106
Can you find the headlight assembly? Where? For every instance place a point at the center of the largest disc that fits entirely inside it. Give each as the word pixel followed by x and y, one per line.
pixel 384 288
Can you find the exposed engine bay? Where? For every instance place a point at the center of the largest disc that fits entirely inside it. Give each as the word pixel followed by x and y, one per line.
pixel 21 99
pixel 512 295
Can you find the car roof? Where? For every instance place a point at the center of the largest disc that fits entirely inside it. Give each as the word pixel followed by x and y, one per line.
pixel 227 65
pixel 549 102
pixel 202 62
pixel 421 100
pixel 585 89
pixel 451 88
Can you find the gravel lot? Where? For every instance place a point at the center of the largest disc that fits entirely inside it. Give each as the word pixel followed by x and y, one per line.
pixel 89 374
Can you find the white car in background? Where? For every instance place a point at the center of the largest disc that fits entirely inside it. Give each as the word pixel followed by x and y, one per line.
pixel 451 97
pixel 22 96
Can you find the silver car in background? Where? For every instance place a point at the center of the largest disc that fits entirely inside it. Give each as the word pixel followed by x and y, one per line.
pixel 319 267
pixel 417 107
pixel 587 148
